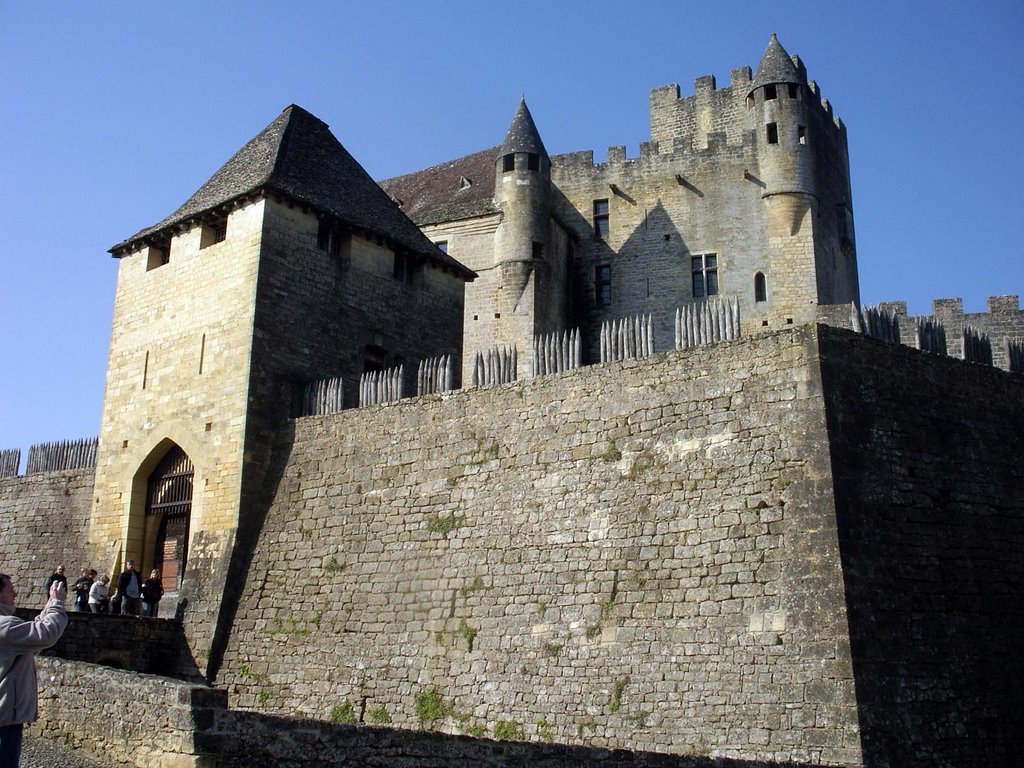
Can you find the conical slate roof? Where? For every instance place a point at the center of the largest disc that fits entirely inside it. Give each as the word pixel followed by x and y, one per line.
pixel 776 66
pixel 522 134
pixel 298 157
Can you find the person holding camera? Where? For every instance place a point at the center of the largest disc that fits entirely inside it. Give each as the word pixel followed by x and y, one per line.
pixel 20 641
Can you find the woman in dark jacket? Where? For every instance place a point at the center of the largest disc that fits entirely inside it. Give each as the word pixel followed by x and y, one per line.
pixel 152 591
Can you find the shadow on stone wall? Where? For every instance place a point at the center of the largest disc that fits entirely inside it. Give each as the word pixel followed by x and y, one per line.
pixel 246 739
pixel 260 489
pixel 928 455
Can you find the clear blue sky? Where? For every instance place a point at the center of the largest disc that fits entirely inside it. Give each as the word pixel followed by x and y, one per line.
pixel 115 112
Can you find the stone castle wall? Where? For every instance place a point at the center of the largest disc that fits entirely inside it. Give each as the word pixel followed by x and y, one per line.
pixel 183 725
pixel 615 557
pixel 44 521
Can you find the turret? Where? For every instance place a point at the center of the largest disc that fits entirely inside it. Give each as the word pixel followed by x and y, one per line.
pixel 521 248
pixel 777 107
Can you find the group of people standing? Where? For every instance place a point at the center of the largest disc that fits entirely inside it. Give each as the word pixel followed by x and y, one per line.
pixel 92 595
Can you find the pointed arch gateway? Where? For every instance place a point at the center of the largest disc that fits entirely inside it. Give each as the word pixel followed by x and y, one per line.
pixel 168 514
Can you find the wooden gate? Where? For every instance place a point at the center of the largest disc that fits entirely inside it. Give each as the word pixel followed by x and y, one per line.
pixel 169 500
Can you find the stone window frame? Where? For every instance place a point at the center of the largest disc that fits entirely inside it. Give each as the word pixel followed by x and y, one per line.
pixel 329 237
pixel 760 288
pixel 602 218
pixel 215 230
pixel 159 254
pixel 704 275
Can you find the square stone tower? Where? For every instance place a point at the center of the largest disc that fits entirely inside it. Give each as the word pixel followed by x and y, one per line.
pixel 288 266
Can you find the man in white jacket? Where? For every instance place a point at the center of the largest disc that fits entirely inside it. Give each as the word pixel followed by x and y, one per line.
pixel 20 641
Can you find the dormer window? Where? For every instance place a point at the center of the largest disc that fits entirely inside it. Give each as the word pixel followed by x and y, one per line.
pixel 508 163
pixel 215 230
pixel 770 93
pixel 794 91
pixel 533 161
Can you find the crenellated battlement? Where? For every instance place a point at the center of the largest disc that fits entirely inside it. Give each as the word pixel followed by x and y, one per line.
pixel 1002 306
pixel 710 110
pixel 1001 327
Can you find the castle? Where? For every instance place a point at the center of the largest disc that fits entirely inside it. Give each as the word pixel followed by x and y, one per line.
pixel 672 524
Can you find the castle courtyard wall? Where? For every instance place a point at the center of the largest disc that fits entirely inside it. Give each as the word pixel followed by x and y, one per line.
pixel 639 555
pixel 44 521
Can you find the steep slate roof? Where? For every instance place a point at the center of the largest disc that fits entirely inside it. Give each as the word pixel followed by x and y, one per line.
pixel 776 67
pixel 298 157
pixel 457 189
pixel 522 134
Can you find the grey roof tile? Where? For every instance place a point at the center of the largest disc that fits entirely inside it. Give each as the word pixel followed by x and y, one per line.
pixel 776 66
pixel 523 135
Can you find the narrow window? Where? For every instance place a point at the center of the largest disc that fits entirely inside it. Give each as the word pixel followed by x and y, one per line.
pixel 538 251
pixel 760 287
pixel 403 268
pixel 215 230
pixel 772 132
pixel 704 270
pixel 145 370
pixel 508 163
pixel 159 254
pixel 202 353
pixel 770 93
pixel 603 285
pixel 601 219
pixel 328 237
pixel 442 246
pixel 801 134
pixel 533 161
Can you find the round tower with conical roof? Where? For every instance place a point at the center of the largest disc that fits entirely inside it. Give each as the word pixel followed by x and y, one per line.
pixel 522 191
pixel 778 104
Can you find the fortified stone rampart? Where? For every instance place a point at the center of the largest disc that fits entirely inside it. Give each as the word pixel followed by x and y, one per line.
pixel 190 726
pixel 928 456
pixel 617 557
pixel 778 548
